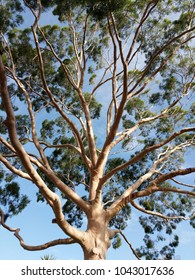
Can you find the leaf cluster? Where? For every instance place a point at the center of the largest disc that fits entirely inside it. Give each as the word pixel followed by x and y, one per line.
pixel 11 200
pixel 10 14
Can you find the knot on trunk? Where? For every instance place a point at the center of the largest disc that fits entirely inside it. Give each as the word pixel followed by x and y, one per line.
pixel 95 254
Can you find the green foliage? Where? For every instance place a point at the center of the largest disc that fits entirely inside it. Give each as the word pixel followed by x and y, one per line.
pixel 53 127
pixel 116 243
pixel 120 221
pixel 94 105
pixel 192 222
pixel 134 104
pixel 23 52
pixel 11 201
pixel 98 9
pixel 180 205
pixel 101 9
pixel 3 129
pixel 73 213
pixel 10 15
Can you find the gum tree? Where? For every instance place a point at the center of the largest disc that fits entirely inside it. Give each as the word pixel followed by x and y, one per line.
pixel 97 113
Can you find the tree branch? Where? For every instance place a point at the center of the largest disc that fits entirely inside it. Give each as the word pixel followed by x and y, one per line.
pixel 145 15
pixel 125 198
pixel 62 186
pixel 147 150
pixel 85 106
pixel 113 74
pixel 130 245
pixel 157 214
pixel 118 40
pixel 110 137
pixel 33 124
pixel 49 173
pixel 14 170
pixel 154 56
pixel 153 187
pixel 51 197
pixel 130 194
pixel 183 184
pixel 16 231
pixel 60 146
pixel 173 174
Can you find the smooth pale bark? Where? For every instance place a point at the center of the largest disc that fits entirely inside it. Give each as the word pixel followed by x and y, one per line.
pixel 97 236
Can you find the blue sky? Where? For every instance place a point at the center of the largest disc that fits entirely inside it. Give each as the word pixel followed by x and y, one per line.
pixel 37 228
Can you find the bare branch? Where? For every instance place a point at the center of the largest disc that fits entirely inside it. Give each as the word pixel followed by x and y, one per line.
pixel 173 174
pixel 114 70
pixel 108 143
pixel 72 125
pixel 16 231
pixel 149 8
pixel 147 150
pixel 130 245
pixel 62 146
pixel 13 169
pixel 50 173
pixel 164 62
pixel 64 67
pixel 42 72
pixel 7 144
pixel 51 197
pixel 75 43
pixel 154 185
pixel 130 194
pixel 85 106
pixel 118 39
pixel 62 186
pixel 125 198
pixel 33 125
pixel 9 51
pixel 167 218
pixel 182 184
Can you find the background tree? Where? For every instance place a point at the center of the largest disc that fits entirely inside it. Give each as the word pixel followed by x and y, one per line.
pixel 48 258
pixel 97 113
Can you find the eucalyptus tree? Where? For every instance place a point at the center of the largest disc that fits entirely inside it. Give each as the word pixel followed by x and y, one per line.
pixel 97 112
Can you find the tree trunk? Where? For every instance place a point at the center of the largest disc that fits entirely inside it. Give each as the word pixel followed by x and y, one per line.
pixel 96 241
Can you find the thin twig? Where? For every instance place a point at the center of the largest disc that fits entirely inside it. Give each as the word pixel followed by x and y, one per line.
pixel 131 247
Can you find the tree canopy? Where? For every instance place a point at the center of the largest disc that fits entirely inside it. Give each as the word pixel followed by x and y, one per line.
pixel 97 112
